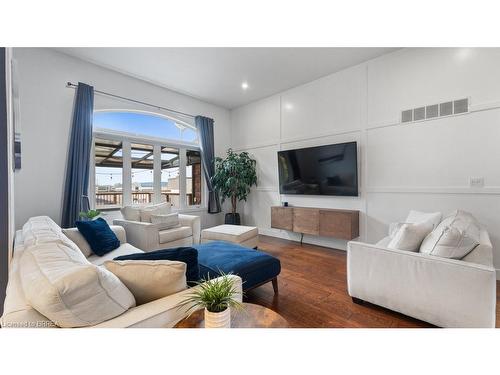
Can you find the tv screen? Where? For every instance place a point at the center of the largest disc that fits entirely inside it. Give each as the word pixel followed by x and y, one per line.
pixel 322 170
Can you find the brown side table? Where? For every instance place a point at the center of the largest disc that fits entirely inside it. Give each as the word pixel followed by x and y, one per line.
pixel 251 316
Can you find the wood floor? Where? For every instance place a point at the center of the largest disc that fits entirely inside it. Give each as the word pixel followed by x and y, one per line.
pixel 313 290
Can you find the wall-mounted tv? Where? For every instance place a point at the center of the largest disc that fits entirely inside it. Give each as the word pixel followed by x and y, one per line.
pixel 322 170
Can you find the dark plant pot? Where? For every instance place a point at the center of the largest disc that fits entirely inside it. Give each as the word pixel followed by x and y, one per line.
pixel 233 219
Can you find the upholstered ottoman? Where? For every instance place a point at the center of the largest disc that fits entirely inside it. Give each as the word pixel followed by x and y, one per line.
pixel 254 267
pixel 238 234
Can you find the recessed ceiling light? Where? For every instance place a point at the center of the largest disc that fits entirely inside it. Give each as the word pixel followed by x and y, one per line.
pixel 244 85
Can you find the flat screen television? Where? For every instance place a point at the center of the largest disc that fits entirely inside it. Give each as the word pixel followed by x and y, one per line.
pixel 322 170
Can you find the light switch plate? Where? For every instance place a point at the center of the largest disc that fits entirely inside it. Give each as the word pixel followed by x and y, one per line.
pixel 476 182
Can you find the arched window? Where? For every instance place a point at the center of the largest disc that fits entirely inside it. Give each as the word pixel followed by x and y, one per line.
pixel 142 158
pixel 145 124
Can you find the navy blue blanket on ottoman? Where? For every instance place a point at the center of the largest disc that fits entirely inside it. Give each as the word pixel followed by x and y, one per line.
pixel 253 266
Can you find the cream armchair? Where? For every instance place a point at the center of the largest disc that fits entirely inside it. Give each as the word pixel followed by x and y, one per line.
pixel 149 237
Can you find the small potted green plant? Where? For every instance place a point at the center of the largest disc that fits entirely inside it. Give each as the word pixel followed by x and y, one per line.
pixel 90 214
pixel 233 178
pixel 216 296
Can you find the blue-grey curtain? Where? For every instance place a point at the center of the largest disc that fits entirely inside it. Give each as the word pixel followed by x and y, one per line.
pixel 78 164
pixel 205 127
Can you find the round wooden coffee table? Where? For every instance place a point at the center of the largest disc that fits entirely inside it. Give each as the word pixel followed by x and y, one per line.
pixel 251 316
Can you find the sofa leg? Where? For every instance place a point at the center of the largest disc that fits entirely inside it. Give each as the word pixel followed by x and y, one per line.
pixel 357 301
pixel 275 285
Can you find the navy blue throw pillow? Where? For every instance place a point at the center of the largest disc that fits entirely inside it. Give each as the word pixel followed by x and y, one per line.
pixel 187 255
pixel 99 235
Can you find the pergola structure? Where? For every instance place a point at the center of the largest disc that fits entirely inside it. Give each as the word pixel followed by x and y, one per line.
pixel 109 153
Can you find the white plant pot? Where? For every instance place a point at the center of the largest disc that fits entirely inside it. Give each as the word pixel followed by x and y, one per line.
pixel 218 320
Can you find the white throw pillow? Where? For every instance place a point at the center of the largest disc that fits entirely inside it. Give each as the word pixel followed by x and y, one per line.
pixel 150 280
pixel 455 237
pixel 157 209
pixel 409 236
pixel 61 284
pixel 74 235
pixel 418 217
pixel 166 221
pixel 131 213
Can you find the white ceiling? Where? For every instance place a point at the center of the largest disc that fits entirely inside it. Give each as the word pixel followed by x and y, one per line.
pixel 215 75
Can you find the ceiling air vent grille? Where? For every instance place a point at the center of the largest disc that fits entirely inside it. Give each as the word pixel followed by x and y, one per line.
pixel 432 111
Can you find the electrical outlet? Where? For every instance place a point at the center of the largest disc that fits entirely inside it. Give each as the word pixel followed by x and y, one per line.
pixel 476 182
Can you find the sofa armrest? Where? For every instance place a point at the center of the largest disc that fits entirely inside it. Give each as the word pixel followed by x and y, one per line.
pixel 163 312
pixel 141 235
pixel 444 292
pixel 193 222
pixel 119 231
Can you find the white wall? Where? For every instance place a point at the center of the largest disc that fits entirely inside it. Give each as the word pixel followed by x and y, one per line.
pixel 425 165
pixel 46 108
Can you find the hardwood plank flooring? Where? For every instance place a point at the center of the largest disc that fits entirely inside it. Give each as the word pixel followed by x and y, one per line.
pixel 313 291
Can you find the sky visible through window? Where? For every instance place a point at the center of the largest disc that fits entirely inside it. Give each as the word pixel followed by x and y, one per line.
pixel 141 124
pixel 145 124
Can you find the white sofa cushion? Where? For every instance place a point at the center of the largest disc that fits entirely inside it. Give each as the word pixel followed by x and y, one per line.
pixel 455 237
pixel 409 236
pixel 124 249
pixel 77 238
pixel 150 280
pixel 63 286
pixel 174 234
pixel 74 235
pixel 132 213
pixel 433 218
pixel 166 221
pixel 155 209
pixel 42 229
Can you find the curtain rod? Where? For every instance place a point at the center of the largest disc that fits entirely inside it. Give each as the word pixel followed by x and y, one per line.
pixel 72 85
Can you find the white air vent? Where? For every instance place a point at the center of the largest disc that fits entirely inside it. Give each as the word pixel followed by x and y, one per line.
pixel 407 116
pixel 432 111
pixel 419 114
pixel 460 106
pixel 455 107
pixel 446 109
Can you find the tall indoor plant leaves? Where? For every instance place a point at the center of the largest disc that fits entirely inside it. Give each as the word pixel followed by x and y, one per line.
pixel 234 176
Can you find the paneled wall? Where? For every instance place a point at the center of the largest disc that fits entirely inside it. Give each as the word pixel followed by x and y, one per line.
pixel 424 165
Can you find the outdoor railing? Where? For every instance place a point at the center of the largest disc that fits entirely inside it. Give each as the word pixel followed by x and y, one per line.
pixel 110 199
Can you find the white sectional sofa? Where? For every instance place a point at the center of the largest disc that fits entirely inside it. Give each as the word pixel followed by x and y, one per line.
pixel 45 236
pixel 442 291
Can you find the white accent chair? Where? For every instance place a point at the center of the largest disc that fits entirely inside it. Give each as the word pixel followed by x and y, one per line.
pixel 444 292
pixel 149 237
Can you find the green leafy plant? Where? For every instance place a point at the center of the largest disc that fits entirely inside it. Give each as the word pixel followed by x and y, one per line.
pixel 216 295
pixel 234 176
pixel 90 214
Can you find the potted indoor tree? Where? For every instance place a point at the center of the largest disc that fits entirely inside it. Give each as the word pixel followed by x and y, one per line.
pixel 234 176
pixel 216 296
